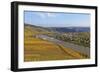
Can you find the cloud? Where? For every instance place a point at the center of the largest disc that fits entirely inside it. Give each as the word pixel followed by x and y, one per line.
pixel 45 15
pixel 41 15
pixel 51 15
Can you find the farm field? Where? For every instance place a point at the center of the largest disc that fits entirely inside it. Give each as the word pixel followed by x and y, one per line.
pixel 37 48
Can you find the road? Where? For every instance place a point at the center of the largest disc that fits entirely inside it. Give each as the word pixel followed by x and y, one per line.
pixel 78 48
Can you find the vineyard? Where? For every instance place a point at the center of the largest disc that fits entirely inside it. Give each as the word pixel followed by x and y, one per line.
pixel 37 49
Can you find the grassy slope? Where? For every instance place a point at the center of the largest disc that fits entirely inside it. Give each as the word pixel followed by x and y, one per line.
pixel 39 50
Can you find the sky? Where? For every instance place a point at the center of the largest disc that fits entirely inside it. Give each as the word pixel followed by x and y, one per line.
pixel 56 19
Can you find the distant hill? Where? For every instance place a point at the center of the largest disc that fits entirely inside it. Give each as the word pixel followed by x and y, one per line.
pixel 60 29
pixel 37 28
pixel 70 29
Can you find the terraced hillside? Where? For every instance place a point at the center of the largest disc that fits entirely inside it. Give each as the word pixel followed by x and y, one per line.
pixel 40 47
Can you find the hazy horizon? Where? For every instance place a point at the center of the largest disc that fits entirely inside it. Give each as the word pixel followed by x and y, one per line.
pixel 58 27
